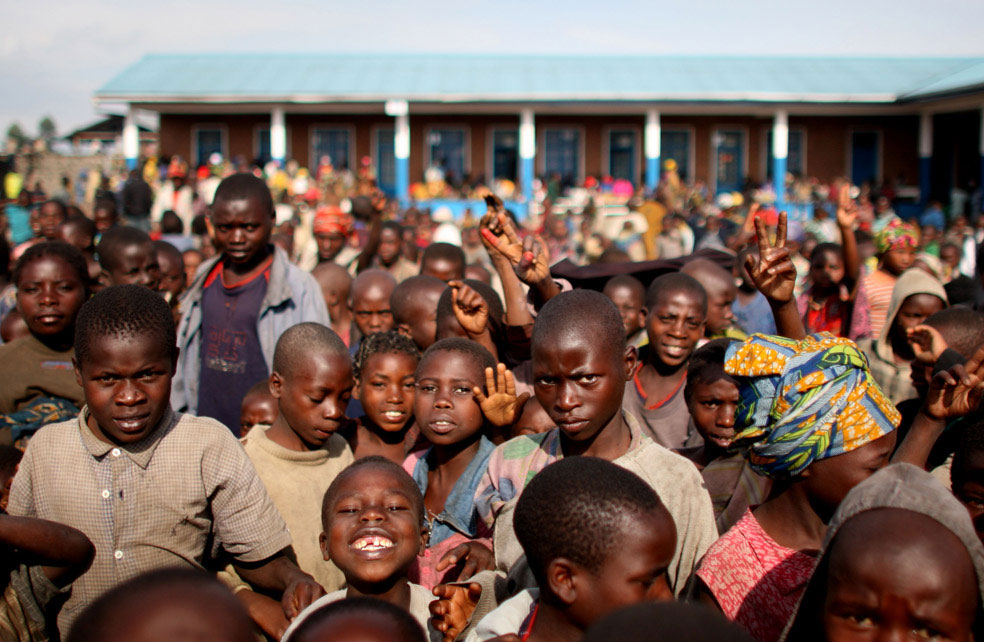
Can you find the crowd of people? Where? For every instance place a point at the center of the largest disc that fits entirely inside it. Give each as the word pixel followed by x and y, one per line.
pixel 280 405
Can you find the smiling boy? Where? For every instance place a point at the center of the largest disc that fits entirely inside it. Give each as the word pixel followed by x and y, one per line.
pixel 150 487
pixel 239 305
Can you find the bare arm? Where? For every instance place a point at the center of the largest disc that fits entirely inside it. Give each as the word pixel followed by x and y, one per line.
pixel 63 552
pixel 279 574
pixel 847 216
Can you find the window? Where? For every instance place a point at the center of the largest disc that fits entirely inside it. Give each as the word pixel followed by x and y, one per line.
pixel 262 149
pixel 865 157
pixel 386 160
pixel 675 144
pixel 207 141
pixel 334 142
pixel 562 154
pixel 729 159
pixel 622 154
pixel 795 153
pixel 505 154
pixel 446 149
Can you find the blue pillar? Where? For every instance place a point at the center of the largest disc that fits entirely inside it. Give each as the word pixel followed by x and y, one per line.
pixel 401 142
pixel 527 154
pixel 131 138
pixel 925 156
pixel 651 145
pixel 527 172
pixel 779 178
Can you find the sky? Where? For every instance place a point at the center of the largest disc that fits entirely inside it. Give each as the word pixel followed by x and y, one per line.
pixel 55 56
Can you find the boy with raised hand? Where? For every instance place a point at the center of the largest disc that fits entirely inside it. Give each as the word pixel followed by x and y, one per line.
pixel 239 305
pixel 150 487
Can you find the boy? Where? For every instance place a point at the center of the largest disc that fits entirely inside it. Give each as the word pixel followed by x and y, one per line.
pixel 895 246
pixel 127 255
pixel 370 303
pixel 580 366
pixel 192 259
pixel 384 250
pixel 336 284
pixel 239 304
pixel 175 487
pixel 967 474
pixel 629 296
pixel 172 282
pixel 654 394
pixel 373 517
pixel 259 407
pixel 414 305
pixel 721 294
pixel 80 232
pixel 597 538
pixel 359 619
pixel 170 604
pixel 444 261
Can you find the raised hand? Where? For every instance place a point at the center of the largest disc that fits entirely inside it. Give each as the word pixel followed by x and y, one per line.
pixel 501 407
pixel 476 556
pixel 534 263
pixel 470 309
pixel 927 343
pixel 773 274
pixel 453 608
pixel 847 209
pixel 957 391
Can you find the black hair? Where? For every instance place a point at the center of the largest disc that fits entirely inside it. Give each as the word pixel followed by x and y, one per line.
pixel 4 256
pixel 819 250
pixel 954 246
pixel 676 282
pixel 86 225
pixel 472 349
pixel 58 250
pixel 100 621
pixel 305 339
pixel 124 311
pixel 627 281
pixel 367 609
pixel 863 236
pixel 448 252
pixel 962 328
pixel 171 223
pixel 163 247
pixel 198 226
pixel 260 387
pixel 971 443
pixel 666 621
pixel 405 293
pixel 10 456
pixel 388 342
pixel 376 461
pixel 393 225
pixel 244 186
pixel 585 312
pixel 114 240
pixel 107 204
pixel 707 365
pixel 59 204
pixel 576 508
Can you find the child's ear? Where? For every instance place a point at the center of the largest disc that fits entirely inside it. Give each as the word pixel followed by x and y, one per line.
pixel 276 384
pixel 562 579
pixel 323 544
pixel 631 360
pixel 78 371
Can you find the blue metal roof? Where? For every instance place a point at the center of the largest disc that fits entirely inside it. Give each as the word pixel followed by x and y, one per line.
pixel 490 78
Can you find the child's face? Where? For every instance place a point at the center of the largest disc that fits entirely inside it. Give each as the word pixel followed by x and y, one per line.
pixel 579 382
pixel 136 264
pixel 634 572
pixel 371 309
pixel 915 309
pixel 386 390
pixel 446 409
pixel 104 219
pixel 390 245
pixel 49 295
pixel 75 236
pixel 630 305
pixel 533 421
pixel 720 316
pixel 969 489
pixel 192 260
pixel 442 268
pixel 127 385
pixel 50 219
pixel 898 575
pixel 312 397
pixel 829 480
pixel 899 259
pixel 712 407
pixel 258 408
pixel 373 528
pixel 674 325
pixel 329 245
pixel 950 256
pixel 354 627
pixel 172 274
pixel 826 269
pixel 241 228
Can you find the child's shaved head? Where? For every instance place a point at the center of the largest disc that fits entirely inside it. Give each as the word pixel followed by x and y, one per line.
pixel 583 312
pixel 243 186
pixel 377 462
pixel 333 278
pixel 304 339
pixel 962 328
pixel 359 619
pixel 124 311
pixel 672 283
pixel 114 240
pixel 406 297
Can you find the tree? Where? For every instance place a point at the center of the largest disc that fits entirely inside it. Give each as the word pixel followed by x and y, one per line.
pixel 47 129
pixel 16 133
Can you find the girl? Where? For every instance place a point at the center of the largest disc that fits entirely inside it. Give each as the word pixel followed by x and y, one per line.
pixel 384 384
pixel 51 279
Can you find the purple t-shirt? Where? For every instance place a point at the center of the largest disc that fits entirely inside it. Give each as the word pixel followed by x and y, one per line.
pixel 232 359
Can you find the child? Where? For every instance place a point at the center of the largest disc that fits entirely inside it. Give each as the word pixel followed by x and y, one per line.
pixel 712 396
pixel 104 215
pixel 414 305
pixel 384 250
pixel 597 538
pixel 917 295
pixel 629 296
pixel 654 395
pixel 259 407
pixel 444 261
pixel 369 302
pixel 449 406
pixel 127 255
pixel 580 366
pixel 173 485
pixel 967 474
pixel 721 293
pixel 900 561
pixel 172 269
pixel 192 259
pixel 51 282
pixel 384 374
pixel 813 420
pixel 834 302
pixel 40 560
pixel 186 605
pixel 239 305
pixel 299 455
pixel 373 518
pixel 80 232
pixel 336 284
pixel 359 619
pixel 895 245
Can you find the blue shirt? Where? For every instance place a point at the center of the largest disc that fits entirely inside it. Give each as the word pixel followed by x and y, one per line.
pixel 756 316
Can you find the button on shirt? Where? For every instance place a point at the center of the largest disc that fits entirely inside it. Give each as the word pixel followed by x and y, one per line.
pixel 159 502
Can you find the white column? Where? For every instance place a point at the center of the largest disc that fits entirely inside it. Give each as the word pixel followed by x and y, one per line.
pixel 925 155
pixel 400 109
pixel 652 148
pixel 131 138
pixel 527 153
pixel 278 135
pixel 780 152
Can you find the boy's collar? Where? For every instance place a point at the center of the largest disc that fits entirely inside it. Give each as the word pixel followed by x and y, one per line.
pixel 139 452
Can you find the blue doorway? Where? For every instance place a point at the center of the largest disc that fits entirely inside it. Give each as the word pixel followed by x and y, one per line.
pixel 729 157
pixel 622 152
pixel 864 157
pixel 386 160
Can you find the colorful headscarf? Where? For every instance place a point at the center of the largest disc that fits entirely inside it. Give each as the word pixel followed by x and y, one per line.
pixel 330 219
pixel 896 234
pixel 804 400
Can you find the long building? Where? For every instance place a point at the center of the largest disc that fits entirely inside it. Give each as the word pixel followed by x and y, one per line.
pixel 908 121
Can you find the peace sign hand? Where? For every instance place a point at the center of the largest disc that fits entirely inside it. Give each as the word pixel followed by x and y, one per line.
pixel 773 274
